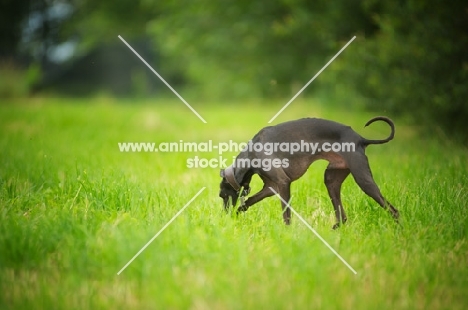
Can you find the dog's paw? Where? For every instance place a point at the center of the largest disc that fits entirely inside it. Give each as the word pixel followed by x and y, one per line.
pixel 336 226
pixel 242 208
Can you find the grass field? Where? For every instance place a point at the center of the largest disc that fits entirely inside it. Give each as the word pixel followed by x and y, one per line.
pixel 74 210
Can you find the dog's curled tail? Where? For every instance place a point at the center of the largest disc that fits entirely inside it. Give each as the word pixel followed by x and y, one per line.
pixel 386 120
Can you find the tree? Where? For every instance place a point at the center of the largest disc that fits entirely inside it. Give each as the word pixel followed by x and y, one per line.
pixel 417 64
pixel 251 48
pixel 12 16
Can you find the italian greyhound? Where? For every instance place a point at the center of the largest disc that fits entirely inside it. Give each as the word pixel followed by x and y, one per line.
pixel 285 165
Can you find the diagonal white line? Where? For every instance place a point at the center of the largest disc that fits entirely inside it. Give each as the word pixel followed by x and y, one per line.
pixel 163 80
pixel 313 230
pixel 315 76
pixel 161 230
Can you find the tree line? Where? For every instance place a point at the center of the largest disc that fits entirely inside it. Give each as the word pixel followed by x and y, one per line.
pixel 409 57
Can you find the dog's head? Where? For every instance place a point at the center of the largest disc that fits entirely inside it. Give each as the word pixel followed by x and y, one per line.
pixel 230 189
pixel 227 192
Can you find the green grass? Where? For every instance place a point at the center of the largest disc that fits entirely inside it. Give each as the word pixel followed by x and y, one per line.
pixel 74 210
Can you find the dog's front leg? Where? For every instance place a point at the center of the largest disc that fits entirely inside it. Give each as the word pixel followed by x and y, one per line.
pixel 262 194
pixel 284 191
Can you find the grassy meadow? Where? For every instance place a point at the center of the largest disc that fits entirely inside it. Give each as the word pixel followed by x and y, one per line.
pixel 74 210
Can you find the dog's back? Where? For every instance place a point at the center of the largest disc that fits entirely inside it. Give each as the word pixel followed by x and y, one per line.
pixel 306 129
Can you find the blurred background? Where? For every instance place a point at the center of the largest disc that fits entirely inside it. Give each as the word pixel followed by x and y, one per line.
pixel 410 58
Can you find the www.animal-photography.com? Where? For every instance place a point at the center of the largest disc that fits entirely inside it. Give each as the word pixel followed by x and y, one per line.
pixel 233 155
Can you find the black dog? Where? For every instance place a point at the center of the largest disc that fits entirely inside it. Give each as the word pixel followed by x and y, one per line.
pixel 282 166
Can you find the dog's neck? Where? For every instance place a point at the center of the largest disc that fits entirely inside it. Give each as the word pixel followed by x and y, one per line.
pixel 237 176
pixel 230 176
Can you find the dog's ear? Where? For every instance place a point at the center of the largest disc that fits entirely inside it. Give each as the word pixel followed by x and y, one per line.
pixel 221 173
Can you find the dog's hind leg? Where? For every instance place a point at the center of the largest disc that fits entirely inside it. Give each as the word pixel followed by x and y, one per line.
pixel 362 174
pixel 333 180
